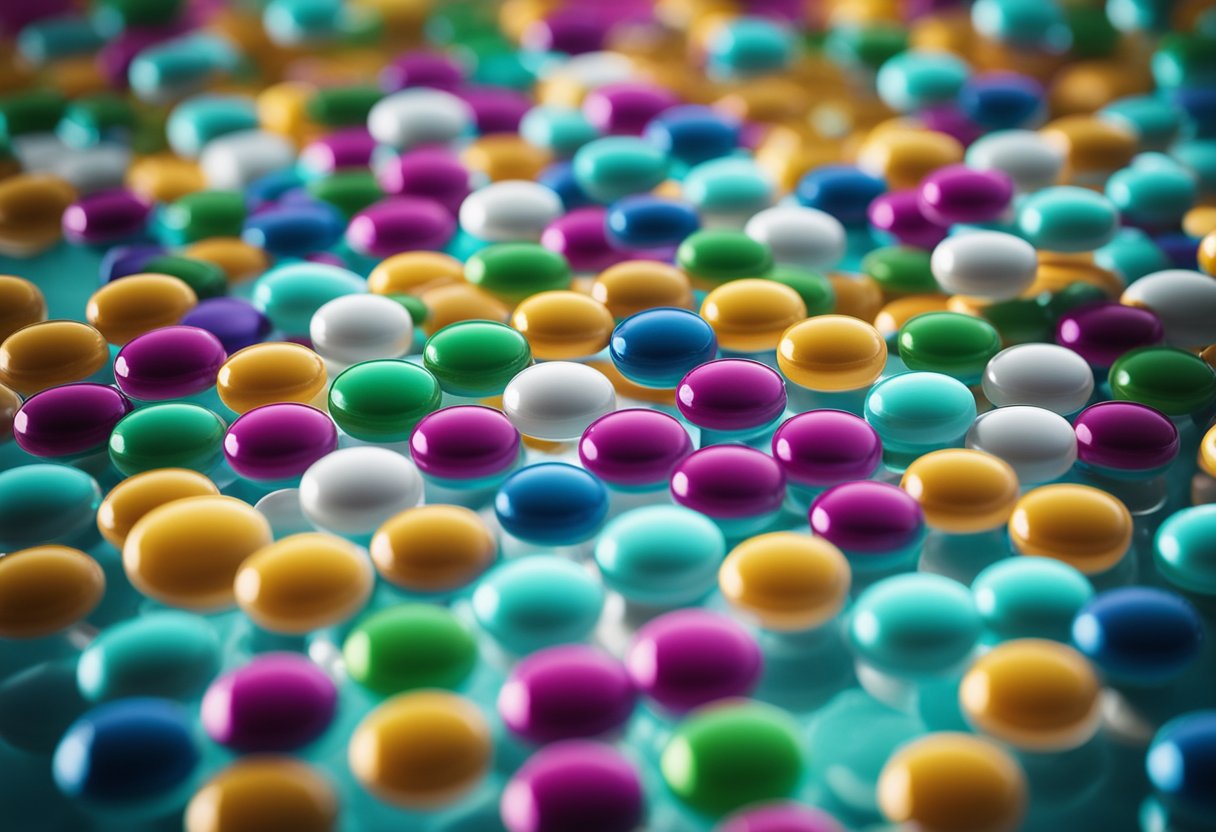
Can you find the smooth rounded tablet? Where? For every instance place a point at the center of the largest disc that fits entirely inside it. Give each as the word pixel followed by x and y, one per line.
pixel 476 358
pixel 715 256
pixel 1183 300
pixel 413 272
pixel 1176 382
pixel 799 236
pixel 962 491
pixel 512 272
pixel 1030 597
pixel 826 447
pixel 363 327
pixel 1185 549
pixel 352 491
pixel 557 400
pixel 168 435
pixel 728 482
pixel 948 342
pixel 750 315
pixel 636 285
pixel 648 222
pixel 400 223
pixel 135 496
pixel 464 442
pixel 276 702
pixel 237 160
pixel 656 347
pixel 1027 157
pixel 419 116
pixel 1125 436
pixel 1102 332
pixel 235 321
pixel 270 373
pixel 1067 218
pixel 22 303
pixel 51 353
pixel 1040 375
pixel 169 363
pixel 574 784
pixel 832 353
pixel 513 210
pixel 780 816
pixel 731 394
pixel 551 503
pixel 46 589
pixel 278 441
pixel 1037 443
pixel 291 293
pixel 1082 526
pixel 69 420
pixel 960 194
pixel 985 264
pixel 166 653
pixel 1139 635
pixel 634 448
pixel 433 549
pixel 1180 762
pixel 786 581
pixel 44 503
pixel 257 794
pixel 918 412
pixel 868 521
pixel 613 167
pixel 407 647
pixel 563 325
pixel 383 400
pixel 660 555
pixel 914 624
pixel 129 307
pixel 526 604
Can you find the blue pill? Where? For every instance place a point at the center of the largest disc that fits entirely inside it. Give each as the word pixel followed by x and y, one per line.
pixel 843 191
pixel 122 261
pixel 274 186
pixel 295 230
pixel 693 134
pixel 1138 635
pixel 559 178
pixel 126 751
pixel 657 347
pixel 1002 100
pixel 1199 104
pixel 645 222
pixel 235 321
pixel 552 504
pixel 1181 764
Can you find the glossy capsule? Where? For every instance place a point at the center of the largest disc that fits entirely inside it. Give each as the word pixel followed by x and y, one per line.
pixel 270 373
pixel 51 353
pixel 1079 525
pixel 46 589
pixel 636 285
pixel 527 604
pixel 69 420
pixel 786 581
pixel 382 401
pixel 962 491
pixel 409 647
pixel 275 703
pixel 750 315
pixel 832 353
pixel 166 653
pixel 1184 551
pixel 656 347
pixel 129 307
pixel 1030 597
pixel 433 549
pixel 22 304
pixel 169 363
pixel 563 325
pixel 43 504
pixel 251 795
pixel 167 435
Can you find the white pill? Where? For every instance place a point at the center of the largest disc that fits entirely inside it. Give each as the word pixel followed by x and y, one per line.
pixel 356 328
pixel 354 490
pixel 1184 300
pixel 419 116
pixel 985 264
pixel 592 70
pixel 1039 375
pixel 557 400
pixel 1031 160
pixel 1038 444
pixel 234 161
pixel 512 211
pixel 799 236
pixel 282 509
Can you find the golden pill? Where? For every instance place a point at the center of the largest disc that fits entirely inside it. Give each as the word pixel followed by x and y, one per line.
pixel 304 582
pixel 47 589
pixel 771 100
pixel 421 750
pixel 264 794
pixel 1057 272
pixel 31 212
pixel 1199 222
pixel 637 285
pixel 414 273
pixel 1083 526
pixel 21 304
pixel 436 548
pixel 186 553
pixel 832 353
pixel 129 307
pixel 1085 87
pixel 135 496
pixel 76 76
pixel 10 403
pixel 950 782
pixel 962 491
pixel 283 109
pixel 901 310
pixel 165 177
pixel 857 295
pixel 1207 253
pixel 1207 452
pixel 563 325
pixel 1034 694
pixel 51 353
pixel 786 581
pixel 270 373
pixel 239 260
pixel 1093 148
pixel 460 302
pixel 750 315
pixel 903 156
pixel 502 156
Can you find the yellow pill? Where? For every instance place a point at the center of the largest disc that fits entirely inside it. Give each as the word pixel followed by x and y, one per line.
pixel 1034 694
pixel 858 296
pixel 414 273
pixel 786 581
pixel 186 553
pixel 626 389
pixel 751 315
pixel 129 307
pixel 239 260
pixel 903 156
pixel 283 108
pixel 438 548
pixel 10 403
pixel 962 491
pixel 264 794
pixel 502 156
pixel 269 373
pixel 49 354
pixel 76 77
pixel 772 100
pixel 1093 148
pixel 460 302
pixel 1207 253
pixel 637 285
pixel 1084 87
pixel 1083 526
pixel 421 750
pixel 1209 355
pixel 1057 272
pixel 1200 221
pixel 901 310
pixel 1207 452
pixel 950 782
pixel 562 325
pixel 31 212
pixel 21 304
pixel 304 582
pixel 47 589
pixel 135 496
pixel 165 178
pixel 832 353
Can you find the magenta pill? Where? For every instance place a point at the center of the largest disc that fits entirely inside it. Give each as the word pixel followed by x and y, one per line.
pixel 1125 436
pixel 729 482
pixel 105 217
pixel 576 784
pixel 868 519
pixel 731 394
pixel 566 692
pixel 495 109
pixel 572 31
pixel 277 702
pixel 952 121
pixel 822 448
pixel 432 173
pixel 899 214
pixel 1102 332
pixel 780 817
pixel 689 658
pixel 634 448
pixel 581 236
pixel 352 147
pixel 400 223
pixel 278 441
pixel 69 420
pixel 421 68
pixel 625 108
pixel 464 442
pixel 957 193
pixel 169 363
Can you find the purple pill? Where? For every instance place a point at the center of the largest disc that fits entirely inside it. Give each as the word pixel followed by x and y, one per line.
pixel 421 68
pixel 68 420
pixel 689 658
pixel 496 109
pixel 952 121
pixel 401 223
pixel 780 817
pixel 957 193
pixel 731 394
pixel 235 321
pixel 571 691
pixel 729 481
pixel 899 214
pixel 428 172
pixel 1101 332
pixel 279 441
pixel 581 236
pixel 823 448
pixel 570 31
pixel 277 702
pixel 169 363
pixel 868 518
pixel 465 442
pixel 577 784
pixel 1125 436
pixel 634 448
pixel 625 108
pixel 105 217
pixel 122 261
pixel 349 148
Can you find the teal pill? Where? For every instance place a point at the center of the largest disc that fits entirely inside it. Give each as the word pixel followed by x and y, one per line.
pixel 1029 24
pixel 1030 597
pixel 1154 190
pixel 915 413
pixel 204 214
pixel 560 130
pixel 42 504
pixel 50 40
pixel 172 435
pixel 88 121
pixel 381 401
pixel 1199 156
pixel 1068 218
pixel 750 46
pixel 914 624
pixel 1154 119
pixel 664 556
pixel 180 66
pixel 168 654
pixel 122 14
pixel 915 80
pixel 199 120
pixel 610 168
pixel 302 21
pixel 289 295
pixel 729 185
pixel 537 602
pixel 1131 254
pixel 410 646
pixel 1185 61
pixel 1185 549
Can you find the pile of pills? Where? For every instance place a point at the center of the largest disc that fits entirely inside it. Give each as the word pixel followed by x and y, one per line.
pixel 607 415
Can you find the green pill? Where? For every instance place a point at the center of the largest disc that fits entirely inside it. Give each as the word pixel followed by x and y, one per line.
pixel 206 279
pixel 476 358
pixel 381 401
pixel 205 214
pixel 343 106
pixel 350 193
pixel 410 646
pixel 901 270
pixel 815 290
pixel 1176 382
pixel 514 271
pixel 719 256
pixel 171 435
pixel 949 342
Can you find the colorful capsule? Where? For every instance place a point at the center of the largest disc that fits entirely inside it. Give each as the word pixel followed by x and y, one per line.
pixel 962 491
pixel 1125 437
pixel 433 549
pixel 1038 444
pixel 750 315
pixel 135 496
pixel 914 624
pixel 354 490
pixel 731 396
pixel 167 435
pixel 656 347
pixel 1184 552
pixel 167 653
pixel 1079 525
pixel 409 647
pixel 51 353
pixel 22 303
pixel 563 325
pixel 169 363
pixel 1179 763
pixel 551 504
pixel 1040 375
pixel 740 488
pixel 465 444
pixel 251 794
pixel 786 581
pixel 637 285
pixel 269 374
pixel 566 692
pixel 134 305
pixel 1139 635
pixel 47 589
pixel 574 784
pixel 69 420
pixel 1030 598
pixel 915 413
pixel 476 358
pixel 832 353
pixel 383 400
pixel 527 604
pixel 277 702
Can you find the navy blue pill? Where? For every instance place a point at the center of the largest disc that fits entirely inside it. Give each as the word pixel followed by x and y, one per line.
pixel 1181 763
pixel 843 191
pixel 693 134
pixel 559 178
pixel 294 230
pixel 122 261
pixel 272 186
pixel 657 347
pixel 644 222
pixel 128 750
pixel 1138 634
pixel 1002 100
pixel 1199 103
pixel 1181 249
pixel 552 504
